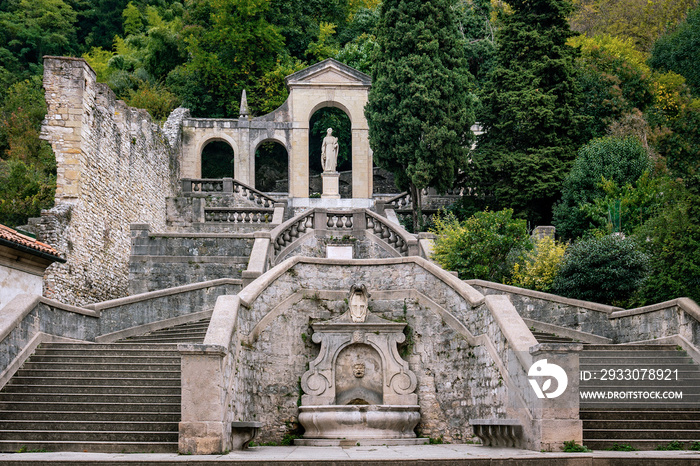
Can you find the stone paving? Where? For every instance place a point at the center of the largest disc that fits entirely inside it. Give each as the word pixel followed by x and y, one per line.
pixel 447 454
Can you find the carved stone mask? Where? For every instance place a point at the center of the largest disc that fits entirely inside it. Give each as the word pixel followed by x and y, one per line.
pixel 358 370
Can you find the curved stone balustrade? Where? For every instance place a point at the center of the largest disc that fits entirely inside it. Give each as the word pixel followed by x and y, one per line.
pixel 238 215
pixel 399 240
pixel 401 201
pixel 285 234
pixel 226 186
pixel 252 194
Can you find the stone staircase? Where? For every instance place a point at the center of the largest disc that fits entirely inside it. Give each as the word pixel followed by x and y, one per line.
pixel 118 397
pixel 643 424
pixel 639 424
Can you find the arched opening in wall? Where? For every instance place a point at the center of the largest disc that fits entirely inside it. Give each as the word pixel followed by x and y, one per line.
pixel 271 167
pixel 338 120
pixel 217 160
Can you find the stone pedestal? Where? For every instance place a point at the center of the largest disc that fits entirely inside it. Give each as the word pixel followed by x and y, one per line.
pixel 331 189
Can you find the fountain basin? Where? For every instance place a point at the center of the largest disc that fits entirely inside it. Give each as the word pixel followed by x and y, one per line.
pixel 379 423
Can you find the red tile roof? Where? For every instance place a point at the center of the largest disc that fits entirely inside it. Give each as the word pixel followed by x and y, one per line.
pixel 13 236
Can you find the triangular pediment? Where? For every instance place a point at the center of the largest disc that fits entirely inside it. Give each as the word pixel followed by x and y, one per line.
pixel 329 71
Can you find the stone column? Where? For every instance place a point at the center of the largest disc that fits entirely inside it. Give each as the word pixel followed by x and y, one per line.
pixel 299 162
pixel 556 420
pixel 362 173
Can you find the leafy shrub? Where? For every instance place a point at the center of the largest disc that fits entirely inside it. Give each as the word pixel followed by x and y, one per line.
pixel 572 447
pixel 539 267
pixel 606 269
pixel 622 447
pixel 675 445
pixel 479 246
pixel 620 160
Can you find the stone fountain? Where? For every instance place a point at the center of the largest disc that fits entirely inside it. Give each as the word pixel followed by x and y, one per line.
pixel 359 389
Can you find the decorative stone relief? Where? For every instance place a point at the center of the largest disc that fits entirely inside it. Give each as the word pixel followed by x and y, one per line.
pixel 359 361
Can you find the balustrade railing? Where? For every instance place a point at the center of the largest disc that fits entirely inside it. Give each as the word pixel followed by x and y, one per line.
pixel 401 201
pixel 288 232
pixel 389 233
pixel 339 220
pixel 226 186
pixel 239 215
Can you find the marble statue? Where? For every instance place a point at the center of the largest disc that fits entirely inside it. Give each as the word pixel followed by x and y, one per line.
pixel 329 151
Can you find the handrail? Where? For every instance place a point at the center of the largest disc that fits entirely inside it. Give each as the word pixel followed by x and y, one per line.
pixel 226 186
pixel 402 241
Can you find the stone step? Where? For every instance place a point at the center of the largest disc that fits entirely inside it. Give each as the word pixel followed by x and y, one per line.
pixel 174 339
pixel 645 444
pixel 68 398
pixel 643 434
pixel 106 416
pixel 92 389
pixel 83 374
pixel 631 348
pixel 87 425
pixel 87 381
pixel 644 424
pixel 100 447
pixel 612 414
pixel 100 367
pixel 89 436
pixel 97 407
pixel 100 358
pixel 148 348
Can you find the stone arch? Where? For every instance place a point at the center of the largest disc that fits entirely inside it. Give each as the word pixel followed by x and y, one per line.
pixel 329 84
pixel 331 104
pixel 256 145
pixel 204 141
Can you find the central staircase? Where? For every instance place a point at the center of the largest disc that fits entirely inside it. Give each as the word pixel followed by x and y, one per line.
pixel 637 424
pixel 117 397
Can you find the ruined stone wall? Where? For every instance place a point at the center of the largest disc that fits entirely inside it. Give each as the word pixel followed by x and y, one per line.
pixel 456 380
pixel 115 167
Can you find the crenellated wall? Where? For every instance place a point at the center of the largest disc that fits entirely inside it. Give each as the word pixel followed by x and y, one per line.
pixel 115 167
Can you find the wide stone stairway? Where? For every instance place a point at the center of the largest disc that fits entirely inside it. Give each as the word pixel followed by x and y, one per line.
pixel 118 397
pixel 642 424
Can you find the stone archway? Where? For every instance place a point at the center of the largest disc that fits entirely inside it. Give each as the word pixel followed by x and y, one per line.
pixel 325 84
pixel 329 84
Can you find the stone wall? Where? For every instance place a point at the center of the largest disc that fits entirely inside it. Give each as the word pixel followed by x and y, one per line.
pixel 457 380
pixel 115 167
pixel 162 260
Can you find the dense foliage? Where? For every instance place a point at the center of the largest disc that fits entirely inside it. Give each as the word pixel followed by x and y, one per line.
pixel 420 107
pixel 530 113
pixel 607 269
pixel 479 246
pixel 605 159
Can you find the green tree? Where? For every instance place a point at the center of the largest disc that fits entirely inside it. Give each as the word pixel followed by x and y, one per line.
pixel 420 108
pixel 641 21
pixel 478 247
pixel 231 46
pixel 671 238
pixel 620 160
pixel 30 29
pixel 607 269
pixel 678 51
pixel 530 112
pixel 27 164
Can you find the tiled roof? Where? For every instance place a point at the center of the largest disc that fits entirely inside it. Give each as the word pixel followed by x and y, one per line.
pixel 12 236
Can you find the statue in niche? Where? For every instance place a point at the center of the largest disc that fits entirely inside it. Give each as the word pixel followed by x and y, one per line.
pixel 358 303
pixel 329 151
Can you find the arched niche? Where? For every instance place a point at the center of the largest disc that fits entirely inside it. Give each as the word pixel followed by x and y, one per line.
pixel 336 118
pixel 271 164
pixel 218 159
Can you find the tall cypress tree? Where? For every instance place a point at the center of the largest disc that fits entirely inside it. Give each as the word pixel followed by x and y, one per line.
pixel 531 111
pixel 420 109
